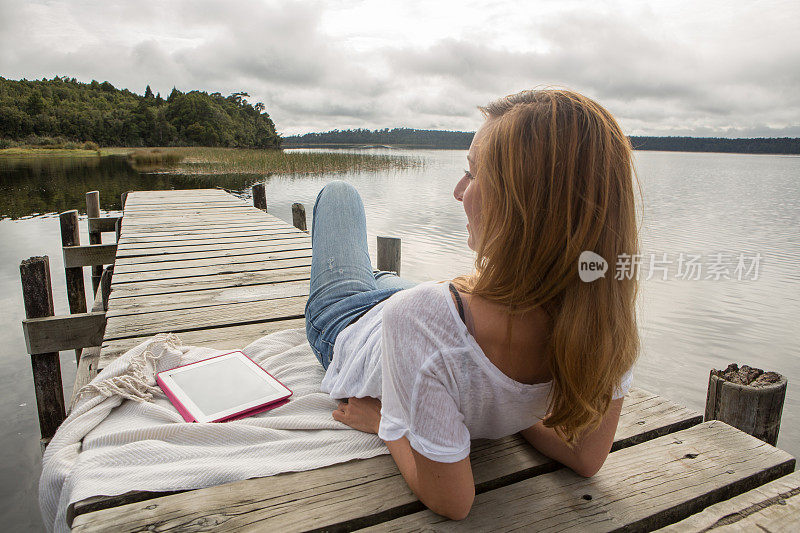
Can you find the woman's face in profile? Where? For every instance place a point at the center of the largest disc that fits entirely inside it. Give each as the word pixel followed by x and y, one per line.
pixel 467 189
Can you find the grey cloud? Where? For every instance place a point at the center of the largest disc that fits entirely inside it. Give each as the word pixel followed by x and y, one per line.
pixel 725 78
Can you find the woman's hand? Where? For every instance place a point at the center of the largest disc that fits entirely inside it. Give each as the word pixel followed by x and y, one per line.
pixel 363 414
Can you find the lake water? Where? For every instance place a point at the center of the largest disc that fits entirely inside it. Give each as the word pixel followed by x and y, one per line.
pixel 739 206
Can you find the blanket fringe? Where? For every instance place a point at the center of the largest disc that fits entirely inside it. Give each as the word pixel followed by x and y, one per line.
pixel 134 383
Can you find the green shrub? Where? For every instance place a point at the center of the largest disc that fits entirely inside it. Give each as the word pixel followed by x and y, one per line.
pixel 7 143
pixel 90 145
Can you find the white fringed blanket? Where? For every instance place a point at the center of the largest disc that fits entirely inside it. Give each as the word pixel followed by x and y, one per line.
pixel 123 434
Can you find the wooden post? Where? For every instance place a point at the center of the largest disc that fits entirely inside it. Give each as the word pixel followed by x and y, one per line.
pixel 123 197
pixel 260 196
pixel 93 211
pixel 389 254
pixel 105 285
pixel 38 296
pixel 748 399
pixel 76 290
pixel 299 216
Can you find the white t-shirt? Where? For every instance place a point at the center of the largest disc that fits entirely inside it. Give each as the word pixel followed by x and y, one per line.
pixel 436 385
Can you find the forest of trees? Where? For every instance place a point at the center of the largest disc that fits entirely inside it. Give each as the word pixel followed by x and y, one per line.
pixel 774 145
pixel 396 136
pixel 100 113
pixel 462 139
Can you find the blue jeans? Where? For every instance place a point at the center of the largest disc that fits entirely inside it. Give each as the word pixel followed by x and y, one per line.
pixel 343 284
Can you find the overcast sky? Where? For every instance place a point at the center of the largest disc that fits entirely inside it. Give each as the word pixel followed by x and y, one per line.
pixel 706 68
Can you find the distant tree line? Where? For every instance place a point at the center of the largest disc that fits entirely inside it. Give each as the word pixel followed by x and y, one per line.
pixel 462 139
pixel 775 145
pixel 98 112
pixel 396 136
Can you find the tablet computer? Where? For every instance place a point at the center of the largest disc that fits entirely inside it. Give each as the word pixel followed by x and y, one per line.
pixel 225 387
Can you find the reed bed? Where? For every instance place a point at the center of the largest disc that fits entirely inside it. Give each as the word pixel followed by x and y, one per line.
pixel 198 160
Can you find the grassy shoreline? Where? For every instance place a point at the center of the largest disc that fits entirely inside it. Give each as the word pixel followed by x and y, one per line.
pixel 206 160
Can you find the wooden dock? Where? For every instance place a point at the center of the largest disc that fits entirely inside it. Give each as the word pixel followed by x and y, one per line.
pixel 221 273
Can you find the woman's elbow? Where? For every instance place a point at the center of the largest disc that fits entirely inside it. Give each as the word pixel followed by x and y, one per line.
pixel 454 509
pixel 589 468
pixel 457 511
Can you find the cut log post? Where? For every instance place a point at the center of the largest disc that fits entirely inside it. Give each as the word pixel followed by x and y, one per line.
pixel 299 216
pixel 123 197
pixel 76 290
pixel 105 285
pixel 38 296
pixel 93 211
pixel 389 254
pixel 260 196
pixel 748 399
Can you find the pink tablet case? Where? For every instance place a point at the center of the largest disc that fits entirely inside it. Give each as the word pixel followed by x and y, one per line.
pixel 235 416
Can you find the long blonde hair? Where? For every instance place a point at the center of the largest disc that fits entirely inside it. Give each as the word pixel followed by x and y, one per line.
pixel 556 178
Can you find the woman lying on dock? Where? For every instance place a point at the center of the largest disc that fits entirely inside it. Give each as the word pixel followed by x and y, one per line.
pixel 520 345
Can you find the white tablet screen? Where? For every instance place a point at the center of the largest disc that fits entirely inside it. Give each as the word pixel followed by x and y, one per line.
pixel 221 385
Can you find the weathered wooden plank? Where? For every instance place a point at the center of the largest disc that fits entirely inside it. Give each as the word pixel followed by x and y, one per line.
pixel 302 259
pixel 772 507
pixel 212 218
pixel 226 211
pixel 177 194
pixel 216 281
pixel 244 238
pixel 228 314
pixel 196 299
pixel 292 253
pixel 223 338
pixel 199 229
pixel 168 227
pixel 357 493
pixel 59 333
pixel 89 255
pixel 638 489
pixel 235 254
pixel 103 224
pixel 200 233
pixel 234 246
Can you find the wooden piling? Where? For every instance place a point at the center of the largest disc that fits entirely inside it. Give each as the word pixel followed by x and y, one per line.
pixel 38 297
pixel 389 254
pixel 76 291
pixel 260 196
pixel 105 285
pixel 299 216
pixel 748 399
pixel 93 211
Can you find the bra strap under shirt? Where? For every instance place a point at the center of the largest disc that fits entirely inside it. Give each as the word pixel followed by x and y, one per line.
pixel 458 302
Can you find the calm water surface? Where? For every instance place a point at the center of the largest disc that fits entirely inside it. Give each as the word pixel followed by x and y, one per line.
pixel 698 204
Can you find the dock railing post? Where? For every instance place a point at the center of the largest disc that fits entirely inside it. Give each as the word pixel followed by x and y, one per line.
pixel 389 254
pixel 93 211
pixel 299 216
pixel 260 196
pixel 748 399
pixel 76 290
pixel 38 296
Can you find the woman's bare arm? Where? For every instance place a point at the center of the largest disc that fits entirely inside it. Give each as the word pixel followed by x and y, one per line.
pixel 447 489
pixel 591 450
